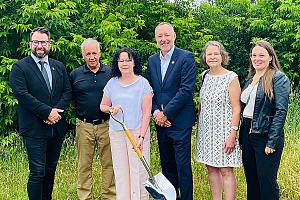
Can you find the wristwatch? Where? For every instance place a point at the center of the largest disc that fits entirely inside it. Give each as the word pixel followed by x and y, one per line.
pixel 235 128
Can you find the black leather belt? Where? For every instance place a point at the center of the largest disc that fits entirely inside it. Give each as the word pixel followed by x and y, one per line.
pixel 93 121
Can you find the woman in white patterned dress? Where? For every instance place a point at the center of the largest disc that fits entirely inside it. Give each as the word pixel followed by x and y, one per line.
pixel 217 144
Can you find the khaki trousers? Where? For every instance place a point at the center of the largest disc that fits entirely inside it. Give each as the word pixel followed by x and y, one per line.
pixel 129 171
pixel 87 137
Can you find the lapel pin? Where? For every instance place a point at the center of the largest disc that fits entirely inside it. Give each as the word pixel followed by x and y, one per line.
pixel 173 62
pixel 53 68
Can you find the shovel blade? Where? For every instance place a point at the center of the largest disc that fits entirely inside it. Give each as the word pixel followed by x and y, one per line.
pixel 164 189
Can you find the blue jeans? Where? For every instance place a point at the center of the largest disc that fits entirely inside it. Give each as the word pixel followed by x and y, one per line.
pixel 43 155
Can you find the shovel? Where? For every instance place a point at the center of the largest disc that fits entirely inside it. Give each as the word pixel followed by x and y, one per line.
pixel 158 186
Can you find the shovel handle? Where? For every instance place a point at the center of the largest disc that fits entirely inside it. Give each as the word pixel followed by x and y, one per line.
pixel 128 134
pixel 132 141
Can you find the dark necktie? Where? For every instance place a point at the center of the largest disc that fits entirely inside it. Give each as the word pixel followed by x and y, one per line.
pixel 45 75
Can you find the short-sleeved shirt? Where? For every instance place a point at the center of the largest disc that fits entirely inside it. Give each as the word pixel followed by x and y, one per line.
pixel 88 91
pixel 129 97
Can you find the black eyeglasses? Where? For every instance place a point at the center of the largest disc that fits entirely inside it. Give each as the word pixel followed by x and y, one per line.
pixel 126 60
pixel 36 42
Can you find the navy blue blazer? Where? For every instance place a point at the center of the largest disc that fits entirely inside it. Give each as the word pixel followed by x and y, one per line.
pixel 174 95
pixel 34 99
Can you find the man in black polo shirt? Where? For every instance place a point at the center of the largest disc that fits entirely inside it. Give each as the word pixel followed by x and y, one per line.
pixel 88 82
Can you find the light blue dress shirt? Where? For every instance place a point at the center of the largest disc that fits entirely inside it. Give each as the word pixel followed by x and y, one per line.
pixel 164 62
pixel 46 65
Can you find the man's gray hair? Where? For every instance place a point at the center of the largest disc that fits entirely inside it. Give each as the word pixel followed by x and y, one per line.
pixel 90 41
pixel 165 23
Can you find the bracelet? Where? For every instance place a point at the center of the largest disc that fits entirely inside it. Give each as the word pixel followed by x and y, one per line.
pixel 141 137
pixel 235 128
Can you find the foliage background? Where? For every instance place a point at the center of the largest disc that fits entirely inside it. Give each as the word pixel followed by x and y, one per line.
pixel 120 23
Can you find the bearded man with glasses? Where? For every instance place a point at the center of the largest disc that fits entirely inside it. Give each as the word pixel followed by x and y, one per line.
pixel 43 90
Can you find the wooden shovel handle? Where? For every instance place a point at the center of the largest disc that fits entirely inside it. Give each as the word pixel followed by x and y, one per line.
pixel 132 141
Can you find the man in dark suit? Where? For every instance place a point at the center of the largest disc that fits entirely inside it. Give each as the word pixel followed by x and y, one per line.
pixel 43 90
pixel 172 73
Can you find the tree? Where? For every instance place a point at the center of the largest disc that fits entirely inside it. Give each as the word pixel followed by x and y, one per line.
pixel 120 23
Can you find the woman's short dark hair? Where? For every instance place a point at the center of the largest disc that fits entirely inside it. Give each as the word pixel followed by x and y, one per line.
pixel 132 54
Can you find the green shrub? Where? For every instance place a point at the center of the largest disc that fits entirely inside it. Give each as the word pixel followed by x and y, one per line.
pixel 116 24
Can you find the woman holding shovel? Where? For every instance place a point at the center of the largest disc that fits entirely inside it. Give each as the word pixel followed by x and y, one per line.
pixel 129 91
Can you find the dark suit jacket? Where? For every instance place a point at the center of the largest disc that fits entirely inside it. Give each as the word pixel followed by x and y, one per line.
pixel 175 93
pixel 35 101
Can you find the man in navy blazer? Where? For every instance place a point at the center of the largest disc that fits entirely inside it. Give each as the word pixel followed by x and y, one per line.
pixel 172 74
pixel 43 90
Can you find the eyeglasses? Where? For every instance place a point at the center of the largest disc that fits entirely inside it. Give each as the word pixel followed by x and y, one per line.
pixel 126 60
pixel 36 42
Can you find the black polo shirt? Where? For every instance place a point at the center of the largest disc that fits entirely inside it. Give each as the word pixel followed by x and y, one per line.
pixel 88 91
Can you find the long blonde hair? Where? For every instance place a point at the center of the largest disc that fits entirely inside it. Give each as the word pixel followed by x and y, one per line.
pixel 272 68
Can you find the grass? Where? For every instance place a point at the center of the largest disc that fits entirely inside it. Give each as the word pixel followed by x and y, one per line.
pixel 14 167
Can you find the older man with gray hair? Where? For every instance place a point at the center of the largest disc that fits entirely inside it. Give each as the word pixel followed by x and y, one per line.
pixel 88 82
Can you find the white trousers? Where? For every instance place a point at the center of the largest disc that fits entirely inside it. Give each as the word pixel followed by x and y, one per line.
pixel 129 171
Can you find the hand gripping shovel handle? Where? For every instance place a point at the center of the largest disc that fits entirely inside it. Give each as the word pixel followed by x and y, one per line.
pixel 139 153
pixel 132 141
pixel 145 163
